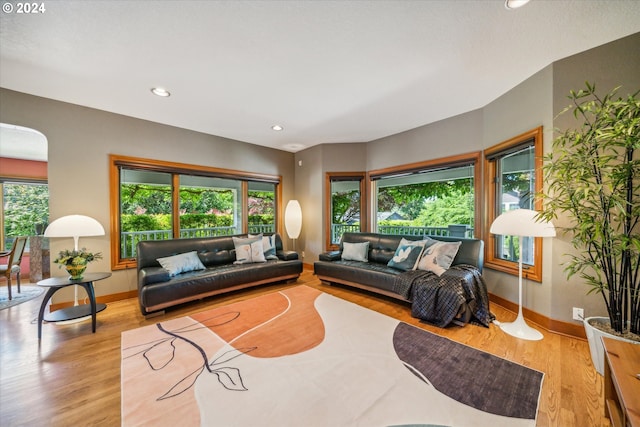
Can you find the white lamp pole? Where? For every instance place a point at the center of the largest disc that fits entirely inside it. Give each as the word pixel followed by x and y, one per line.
pixel 521 222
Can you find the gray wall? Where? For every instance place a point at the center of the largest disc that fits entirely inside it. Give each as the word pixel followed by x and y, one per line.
pixel 455 135
pixel 523 108
pixel 608 66
pixel 80 140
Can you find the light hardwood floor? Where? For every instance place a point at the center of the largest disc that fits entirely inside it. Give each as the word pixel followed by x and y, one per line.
pixel 72 377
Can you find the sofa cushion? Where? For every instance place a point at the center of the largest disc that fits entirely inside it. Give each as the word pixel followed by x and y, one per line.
pixel 371 274
pixel 355 251
pixel 438 256
pixel 407 255
pixel 181 263
pixel 198 284
pixel 249 250
pixel 217 257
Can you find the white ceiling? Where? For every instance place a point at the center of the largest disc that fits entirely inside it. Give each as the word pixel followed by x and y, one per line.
pixel 328 71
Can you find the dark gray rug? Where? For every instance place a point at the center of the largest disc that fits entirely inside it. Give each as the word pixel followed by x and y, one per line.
pixel 473 377
pixel 27 292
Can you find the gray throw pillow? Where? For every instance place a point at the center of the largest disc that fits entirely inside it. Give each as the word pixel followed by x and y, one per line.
pixel 355 251
pixel 181 263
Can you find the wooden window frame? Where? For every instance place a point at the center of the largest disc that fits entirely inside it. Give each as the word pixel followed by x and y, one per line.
pixel 117 161
pixel 491 260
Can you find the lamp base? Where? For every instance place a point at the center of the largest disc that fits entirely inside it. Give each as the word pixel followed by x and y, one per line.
pixel 520 329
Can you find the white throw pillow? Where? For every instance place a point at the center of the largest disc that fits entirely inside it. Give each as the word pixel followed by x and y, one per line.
pixel 181 263
pixel 438 256
pixel 268 244
pixel 355 251
pixel 249 250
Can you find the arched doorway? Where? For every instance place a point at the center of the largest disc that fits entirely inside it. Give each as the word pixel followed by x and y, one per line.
pixel 24 210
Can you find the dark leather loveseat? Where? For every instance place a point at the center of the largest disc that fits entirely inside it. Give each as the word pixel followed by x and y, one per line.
pixel 158 290
pixel 461 286
pixel 375 275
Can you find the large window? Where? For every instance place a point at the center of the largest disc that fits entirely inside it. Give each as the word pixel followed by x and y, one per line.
pixel 435 198
pixel 154 200
pixel 513 179
pixel 345 197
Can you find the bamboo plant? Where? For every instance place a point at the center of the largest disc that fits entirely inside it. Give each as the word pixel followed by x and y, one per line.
pixel 592 180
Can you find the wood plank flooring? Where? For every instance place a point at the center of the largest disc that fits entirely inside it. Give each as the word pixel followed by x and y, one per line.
pixel 72 377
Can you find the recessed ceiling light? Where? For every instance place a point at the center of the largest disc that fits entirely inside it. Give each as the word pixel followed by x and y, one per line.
pixel 160 91
pixel 514 4
pixel 277 127
pixel 294 147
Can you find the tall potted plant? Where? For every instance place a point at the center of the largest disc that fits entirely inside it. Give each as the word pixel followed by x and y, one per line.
pixel 592 176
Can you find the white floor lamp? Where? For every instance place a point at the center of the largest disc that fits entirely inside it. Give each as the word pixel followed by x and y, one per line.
pixel 74 226
pixel 521 222
pixel 293 220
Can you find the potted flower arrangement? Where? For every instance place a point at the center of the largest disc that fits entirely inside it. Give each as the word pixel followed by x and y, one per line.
pixel 76 261
pixel 593 181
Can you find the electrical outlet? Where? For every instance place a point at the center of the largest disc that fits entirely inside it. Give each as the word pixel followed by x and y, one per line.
pixel 578 313
pixel 302 254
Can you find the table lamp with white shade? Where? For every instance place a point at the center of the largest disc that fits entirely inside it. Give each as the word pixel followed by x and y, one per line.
pixel 521 223
pixel 75 226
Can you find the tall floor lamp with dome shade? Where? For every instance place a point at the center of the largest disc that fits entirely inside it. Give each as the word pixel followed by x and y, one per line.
pixel 521 223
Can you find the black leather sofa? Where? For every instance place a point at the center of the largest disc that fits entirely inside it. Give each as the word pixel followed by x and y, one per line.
pixel 375 275
pixel 157 290
pixel 462 282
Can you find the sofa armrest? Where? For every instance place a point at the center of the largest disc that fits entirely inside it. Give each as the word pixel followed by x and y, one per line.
pixel 287 255
pixel 149 275
pixel 330 256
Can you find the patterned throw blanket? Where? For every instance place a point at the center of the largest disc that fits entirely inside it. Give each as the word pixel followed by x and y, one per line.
pixel 439 300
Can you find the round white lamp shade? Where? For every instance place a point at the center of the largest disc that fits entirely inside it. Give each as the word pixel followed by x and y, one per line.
pixel 522 222
pixel 293 219
pixel 74 226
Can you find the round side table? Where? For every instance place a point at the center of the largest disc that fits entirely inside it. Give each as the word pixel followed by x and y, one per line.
pixel 55 284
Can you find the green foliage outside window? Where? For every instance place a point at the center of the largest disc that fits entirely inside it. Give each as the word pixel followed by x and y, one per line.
pixel 147 207
pixel 433 204
pixel 346 206
pixel 25 207
pixel 454 208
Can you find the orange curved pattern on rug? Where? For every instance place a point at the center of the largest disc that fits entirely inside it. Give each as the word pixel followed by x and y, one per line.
pixel 231 321
pixel 276 324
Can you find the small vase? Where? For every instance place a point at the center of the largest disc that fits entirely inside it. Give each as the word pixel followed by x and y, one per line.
pixel 76 271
